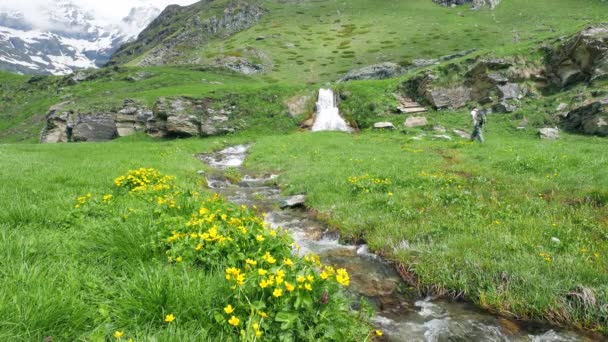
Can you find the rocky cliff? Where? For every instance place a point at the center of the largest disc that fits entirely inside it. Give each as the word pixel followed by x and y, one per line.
pixel 169 117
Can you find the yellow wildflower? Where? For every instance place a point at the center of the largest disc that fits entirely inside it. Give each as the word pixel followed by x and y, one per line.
pixel 308 287
pixel 259 238
pixel 342 277
pixel 287 262
pixel 262 272
pixel 199 247
pixel 263 314
pixel 379 333
pixel 277 292
pixel 169 318
pixel 179 259
pixel 118 334
pixel 289 287
pixel 251 262
pixel 301 279
pixel 229 309
pixel 107 198
pixel 234 321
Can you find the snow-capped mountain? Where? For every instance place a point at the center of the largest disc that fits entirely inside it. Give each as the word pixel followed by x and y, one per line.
pixel 67 39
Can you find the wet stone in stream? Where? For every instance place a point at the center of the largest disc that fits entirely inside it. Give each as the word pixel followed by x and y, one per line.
pixel 371 278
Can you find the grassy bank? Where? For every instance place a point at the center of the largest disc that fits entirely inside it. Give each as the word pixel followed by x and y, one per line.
pixel 79 264
pixel 518 225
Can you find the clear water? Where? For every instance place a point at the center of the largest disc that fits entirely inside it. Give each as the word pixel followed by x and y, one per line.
pixel 426 319
pixel 328 115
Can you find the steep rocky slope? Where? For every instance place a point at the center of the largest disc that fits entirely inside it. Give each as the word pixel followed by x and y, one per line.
pixel 180 28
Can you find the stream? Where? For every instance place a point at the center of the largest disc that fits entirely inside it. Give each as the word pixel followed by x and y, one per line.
pixel 400 319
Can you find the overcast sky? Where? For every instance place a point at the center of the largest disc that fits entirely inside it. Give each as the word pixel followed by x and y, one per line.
pixel 108 9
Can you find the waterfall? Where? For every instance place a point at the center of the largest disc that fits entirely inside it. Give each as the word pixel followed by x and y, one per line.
pixel 328 115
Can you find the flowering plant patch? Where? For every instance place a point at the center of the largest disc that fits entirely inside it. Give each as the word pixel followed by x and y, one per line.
pixel 272 291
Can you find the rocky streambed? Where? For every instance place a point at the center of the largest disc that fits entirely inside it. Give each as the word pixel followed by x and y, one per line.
pixel 400 317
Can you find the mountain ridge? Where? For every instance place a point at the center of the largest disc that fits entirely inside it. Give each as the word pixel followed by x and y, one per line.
pixel 69 39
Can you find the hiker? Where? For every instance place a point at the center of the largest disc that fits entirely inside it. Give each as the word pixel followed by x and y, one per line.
pixel 479 120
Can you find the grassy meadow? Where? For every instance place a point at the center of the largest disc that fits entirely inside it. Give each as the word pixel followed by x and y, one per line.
pixel 518 225
pixel 87 255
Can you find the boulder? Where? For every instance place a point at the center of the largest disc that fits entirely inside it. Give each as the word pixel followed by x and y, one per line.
pixel 293 201
pixel 384 125
pixel 590 118
pixel 510 91
pixel 582 58
pixel 374 72
pixel 415 121
pixel 453 98
pixel 306 124
pixel 95 127
pixel 549 133
pixel 183 126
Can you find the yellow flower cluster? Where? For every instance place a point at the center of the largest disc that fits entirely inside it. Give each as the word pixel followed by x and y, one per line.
pixel 144 179
pixel 82 200
pixel 367 183
pixel 546 256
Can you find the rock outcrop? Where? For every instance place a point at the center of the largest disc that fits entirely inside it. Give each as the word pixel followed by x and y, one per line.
pixel 374 72
pixel 583 58
pixel 590 118
pixel 476 4
pixel 424 89
pixel 170 117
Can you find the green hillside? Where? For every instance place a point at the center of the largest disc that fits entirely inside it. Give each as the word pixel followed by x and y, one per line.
pixel 318 41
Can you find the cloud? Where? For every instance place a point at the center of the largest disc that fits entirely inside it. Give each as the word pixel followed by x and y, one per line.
pixel 108 11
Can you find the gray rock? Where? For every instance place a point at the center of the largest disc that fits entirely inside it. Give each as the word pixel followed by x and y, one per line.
pixel 156 128
pixel 415 121
pixel 183 126
pixel 549 133
pixel 454 98
pixel 293 201
pixel 462 134
pixel 590 118
pixel 561 107
pixel 97 127
pixel 442 137
pixel 374 72
pixel 384 125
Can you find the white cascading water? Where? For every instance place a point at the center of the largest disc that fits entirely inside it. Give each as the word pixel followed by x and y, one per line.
pixel 328 115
